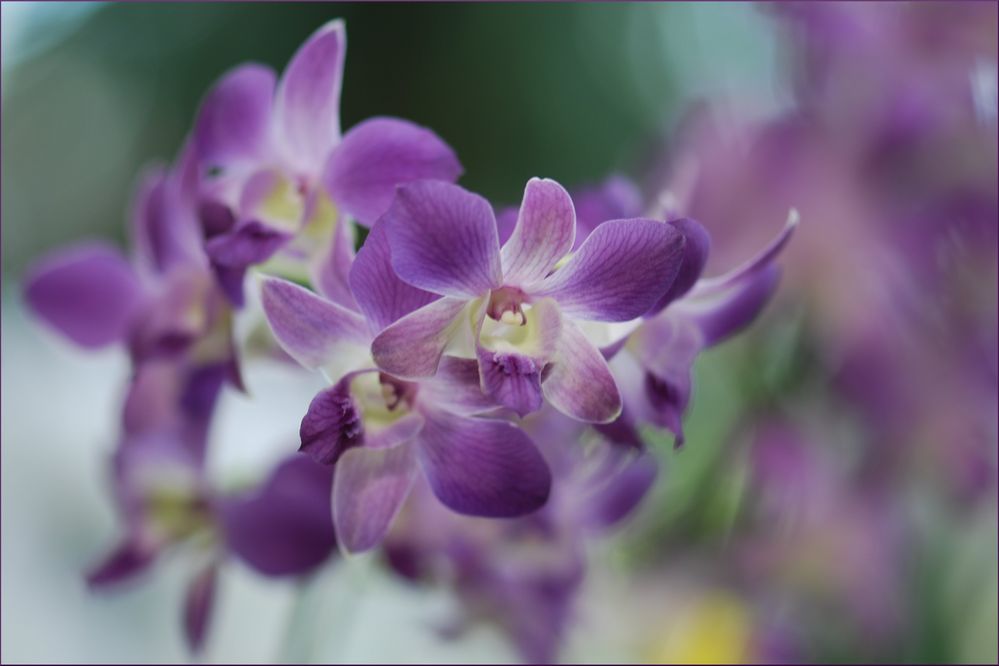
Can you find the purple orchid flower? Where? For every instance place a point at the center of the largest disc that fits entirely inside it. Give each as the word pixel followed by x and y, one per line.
pixel 655 368
pixel 278 176
pixel 378 429
pixel 283 528
pixel 161 304
pixel 519 304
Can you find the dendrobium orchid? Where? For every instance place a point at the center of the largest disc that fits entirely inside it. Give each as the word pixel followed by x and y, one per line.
pixel 379 429
pixel 278 178
pixel 522 305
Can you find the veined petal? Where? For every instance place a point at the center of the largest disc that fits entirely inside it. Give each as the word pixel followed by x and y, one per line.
pixel 307 105
pixel 616 198
pixel 443 239
pixel 309 328
pixel 332 424
pixel 579 383
pixel 695 256
pixel 381 295
pixel 545 231
pixel 456 388
pixel 88 293
pixel 380 154
pixel 234 118
pixel 332 271
pixel 412 347
pixel 619 272
pixel 369 488
pixel 482 467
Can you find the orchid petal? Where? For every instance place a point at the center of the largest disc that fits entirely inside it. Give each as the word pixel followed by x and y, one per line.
pixel 579 383
pixel 368 491
pixel 443 239
pixel 482 467
pixel 380 154
pixel 307 104
pixel 198 607
pixel 309 328
pixel 456 388
pixel 285 527
pixel 412 346
pixel 619 272
pixel 545 231
pixel 88 293
pixel 128 560
pixel 381 295
pixel 234 118
pixel 695 256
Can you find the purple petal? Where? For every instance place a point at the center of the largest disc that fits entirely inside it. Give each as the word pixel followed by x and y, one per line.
pixel 482 467
pixel 616 198
pixel 512 379
pixel 666 348
pixel 511 373
pixel 579 383
pixel 506 222
pixel 380 154
pixel 619 495
pixel 128 560
pixel 307 105
pixel 88 293
pixel 456 388
pixel 285 527
pixel 249 243
pixel 761 261
pixel 234 118
pixel 309 328
pixel 443 239
pixel 370 487
pixel 166 231
pixel 198 607
pixel 332 276
pixel 545 231
pixel 333 423
pixel 412 347
pixel 381 295
pixel 619 272
pixel 728 313
pixel 695 256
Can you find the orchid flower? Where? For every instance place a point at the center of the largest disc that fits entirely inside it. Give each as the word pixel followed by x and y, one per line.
pixel 162 303
pixel 695 314
pixel 379 430
pixel 283 528
pixel 278 176
pixel 523 307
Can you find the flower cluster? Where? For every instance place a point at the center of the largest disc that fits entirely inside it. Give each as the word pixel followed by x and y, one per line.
pixel 481 364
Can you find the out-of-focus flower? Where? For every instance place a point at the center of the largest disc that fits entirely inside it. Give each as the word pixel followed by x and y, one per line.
pixel 519 304
pixel 284 528
pixel 277 177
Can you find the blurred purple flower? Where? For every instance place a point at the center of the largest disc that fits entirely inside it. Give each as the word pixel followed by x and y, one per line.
pixel 276 174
